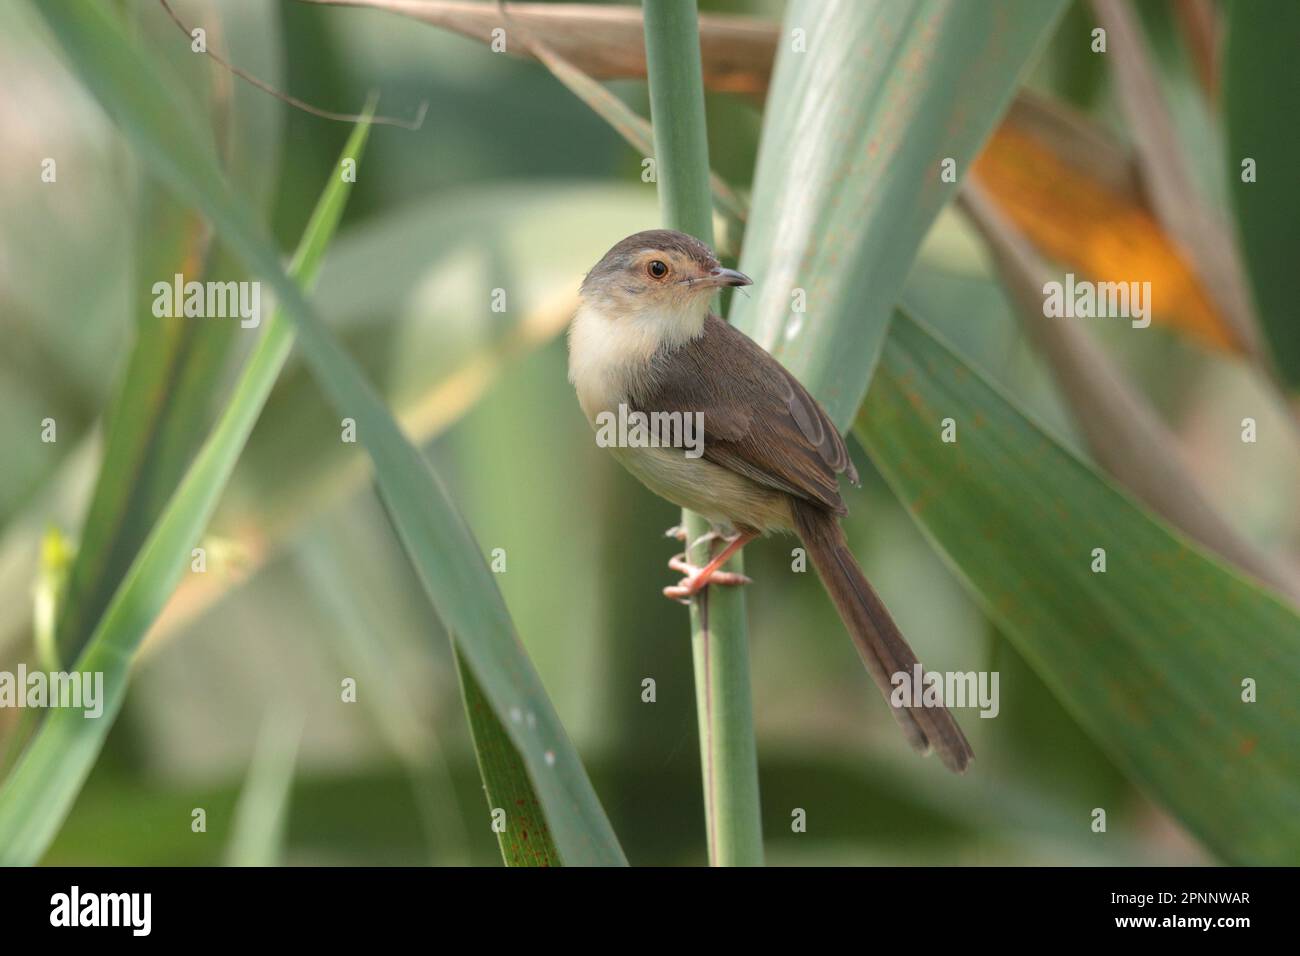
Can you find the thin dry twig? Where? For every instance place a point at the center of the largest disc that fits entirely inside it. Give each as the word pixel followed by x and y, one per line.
pixel 293 100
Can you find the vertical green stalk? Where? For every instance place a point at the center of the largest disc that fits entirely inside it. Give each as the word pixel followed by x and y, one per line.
pixel 724 703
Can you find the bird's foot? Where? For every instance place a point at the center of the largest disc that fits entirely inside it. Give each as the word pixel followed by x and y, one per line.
pixel 678 531
pixel 697 579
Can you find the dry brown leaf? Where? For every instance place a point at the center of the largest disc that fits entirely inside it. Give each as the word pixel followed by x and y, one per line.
pixel 1080 205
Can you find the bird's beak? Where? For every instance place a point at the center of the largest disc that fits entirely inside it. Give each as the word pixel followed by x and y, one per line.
pixel 721 277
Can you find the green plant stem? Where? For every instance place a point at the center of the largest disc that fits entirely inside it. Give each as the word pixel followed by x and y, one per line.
pixel 724 702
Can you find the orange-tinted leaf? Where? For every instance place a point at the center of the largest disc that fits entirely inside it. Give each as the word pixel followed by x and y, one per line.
pixel 1094 226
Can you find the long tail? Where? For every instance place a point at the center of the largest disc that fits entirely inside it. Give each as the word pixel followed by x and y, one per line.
pixel 876 635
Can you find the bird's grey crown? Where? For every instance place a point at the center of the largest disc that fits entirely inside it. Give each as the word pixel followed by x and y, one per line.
pixel 625 252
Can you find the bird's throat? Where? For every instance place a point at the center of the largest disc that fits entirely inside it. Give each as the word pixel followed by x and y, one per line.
pixel 610 355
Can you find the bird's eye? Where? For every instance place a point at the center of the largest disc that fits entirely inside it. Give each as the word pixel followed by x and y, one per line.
pixel 657 269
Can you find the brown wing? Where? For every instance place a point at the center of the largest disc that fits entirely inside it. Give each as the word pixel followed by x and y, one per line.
pixel 758 420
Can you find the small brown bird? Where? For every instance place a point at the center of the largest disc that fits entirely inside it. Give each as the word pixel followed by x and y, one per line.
pixel 644 338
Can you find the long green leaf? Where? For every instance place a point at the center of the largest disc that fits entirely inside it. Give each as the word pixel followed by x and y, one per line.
pixel 40 791
pixel 516 814
pixel 1261 88
pixel 156 421
pixel 868 100
pixel 163 406
pixel 1149 656
pixel 442 548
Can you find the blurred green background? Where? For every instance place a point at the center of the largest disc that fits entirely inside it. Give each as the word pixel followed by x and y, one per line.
pixel 513 183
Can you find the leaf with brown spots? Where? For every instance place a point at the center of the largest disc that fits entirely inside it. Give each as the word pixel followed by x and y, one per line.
pixel 525 841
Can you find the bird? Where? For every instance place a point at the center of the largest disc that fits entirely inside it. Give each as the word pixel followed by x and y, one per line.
pixel 644 340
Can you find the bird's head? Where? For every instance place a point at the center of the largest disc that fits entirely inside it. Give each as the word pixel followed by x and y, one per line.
pixel 659 272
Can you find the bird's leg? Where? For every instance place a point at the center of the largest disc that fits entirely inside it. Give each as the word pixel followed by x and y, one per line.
pixel 698 578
